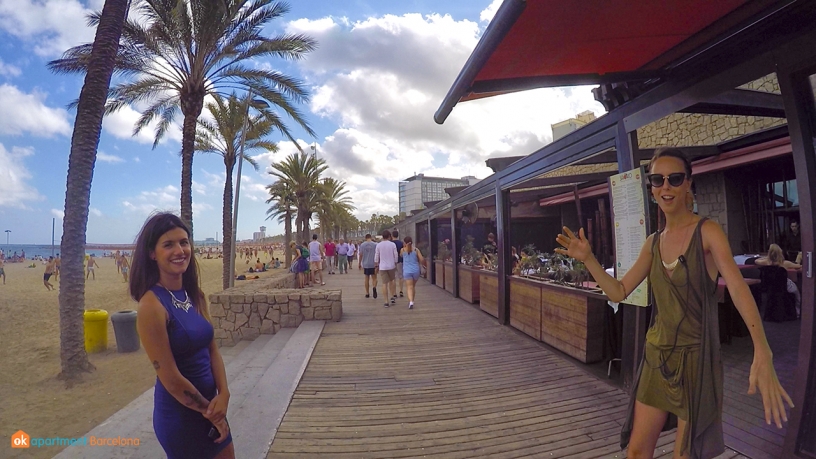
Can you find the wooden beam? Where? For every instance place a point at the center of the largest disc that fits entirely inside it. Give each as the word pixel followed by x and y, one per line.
pixel 565 179
pixel 742 102
pixel 503 253
pixel 455 253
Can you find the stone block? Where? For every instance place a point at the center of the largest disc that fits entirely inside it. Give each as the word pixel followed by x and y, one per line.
pixel 253 307
pixel 240 320
pixel 337 311
pixel 305 301
pixel 281 298
pixel 262 309
pixel 335 296
pixel 298 320
pixel 294 296
pixel 268 327
pixel 254 320
pixel 220 333
pixel 230 316
pixel 323 314
pixel 250 333
pixel 284 308
pixel 217 310
pixel 277 306
pixel 317 296
pixel 288 320
pixel 277 327
pixel 274 315
pixel 308 313
pixel 320 303
pixel 227 325
pixel 294 307
pixel 258 298
pixel 237 308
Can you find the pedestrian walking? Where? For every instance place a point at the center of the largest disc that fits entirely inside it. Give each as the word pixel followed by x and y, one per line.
pixel 331 255
pixel 385 258
pixel 316 260
pixel 680 381
pixel 366 263
pixel 352 251
pixel 342 257
pixel 398 272
pixel 412 259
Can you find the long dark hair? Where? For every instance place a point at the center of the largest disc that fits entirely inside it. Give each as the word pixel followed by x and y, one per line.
pixel 144 272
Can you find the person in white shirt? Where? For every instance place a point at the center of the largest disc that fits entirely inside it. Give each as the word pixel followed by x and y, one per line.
pixel 351 251
pixel 316 260
pixel 385 258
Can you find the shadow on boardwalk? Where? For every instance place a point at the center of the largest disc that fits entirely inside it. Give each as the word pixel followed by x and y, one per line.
pixel 444 380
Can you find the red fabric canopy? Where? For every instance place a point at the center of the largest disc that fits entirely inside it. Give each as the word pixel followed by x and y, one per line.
pixel 554 37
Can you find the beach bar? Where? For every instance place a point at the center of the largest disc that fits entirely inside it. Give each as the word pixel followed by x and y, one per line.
pixel 730 82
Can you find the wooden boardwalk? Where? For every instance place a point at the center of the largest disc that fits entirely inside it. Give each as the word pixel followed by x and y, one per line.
pixel 444 380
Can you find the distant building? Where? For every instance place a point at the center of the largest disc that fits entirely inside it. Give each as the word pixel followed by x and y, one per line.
pixel 563 128
pixel 207 242
pixel 416 190
pixel 258 235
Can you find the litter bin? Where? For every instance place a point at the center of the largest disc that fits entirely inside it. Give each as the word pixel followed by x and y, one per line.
pixel 124 327
pixel 96 330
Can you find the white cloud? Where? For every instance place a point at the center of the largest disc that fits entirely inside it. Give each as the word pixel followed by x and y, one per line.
pixel 378 81
pixel 14 177
pixel 487 14
pixel 160 199
pixel 122 122
pixel 199 188
pixel 106 158
pixel 58 213
pixel 52 25
pixel 95 211
pixel 26 113
pixel 9 70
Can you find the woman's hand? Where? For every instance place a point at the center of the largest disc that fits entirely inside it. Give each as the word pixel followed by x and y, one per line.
pixel 763 377
pixel 217 411
pixel 223 430
pixel 574 246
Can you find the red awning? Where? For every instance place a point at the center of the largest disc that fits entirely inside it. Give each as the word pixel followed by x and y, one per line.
pixel 545 43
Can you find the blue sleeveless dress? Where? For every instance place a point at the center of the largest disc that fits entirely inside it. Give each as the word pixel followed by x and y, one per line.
pixel 181 431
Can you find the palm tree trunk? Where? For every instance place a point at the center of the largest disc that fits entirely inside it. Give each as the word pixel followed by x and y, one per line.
pixel 226 228
pixel 287 224
pixel 191 106
pixel 84 142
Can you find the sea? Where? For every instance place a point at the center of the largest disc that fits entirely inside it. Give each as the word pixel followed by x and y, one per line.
pixel 45 251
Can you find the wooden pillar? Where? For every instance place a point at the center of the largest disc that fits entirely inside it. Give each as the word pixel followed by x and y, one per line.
pixel 432 248
pixel 798 98
pixel 578 207
pixel 455 253
pixel 634 317
pixel 503 251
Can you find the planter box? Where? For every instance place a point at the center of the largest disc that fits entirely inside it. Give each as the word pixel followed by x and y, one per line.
pixel 449 277
pixel 439 279
pixel 469 283
pixel 525 306
pixel 568 319
pixel 489 292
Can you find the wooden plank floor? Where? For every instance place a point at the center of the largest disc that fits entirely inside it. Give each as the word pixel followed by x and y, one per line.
pixel 444 380
pixel 743 415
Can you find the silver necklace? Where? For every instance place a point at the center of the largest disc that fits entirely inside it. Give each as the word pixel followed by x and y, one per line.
pixel 186 304
pixel 672 265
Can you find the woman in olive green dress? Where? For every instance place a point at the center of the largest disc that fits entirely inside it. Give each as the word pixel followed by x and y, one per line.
pixel 680 382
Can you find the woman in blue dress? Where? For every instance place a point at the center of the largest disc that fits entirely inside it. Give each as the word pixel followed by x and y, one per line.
pixel 191 395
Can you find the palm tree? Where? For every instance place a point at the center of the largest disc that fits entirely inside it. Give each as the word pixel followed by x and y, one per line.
pixel 222 136
pixel 283 207
pixel 332 202
pixel 84 142
pixel 300 173
pixel 188 49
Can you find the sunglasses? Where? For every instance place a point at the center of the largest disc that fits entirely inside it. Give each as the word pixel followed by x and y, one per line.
pixel 676 179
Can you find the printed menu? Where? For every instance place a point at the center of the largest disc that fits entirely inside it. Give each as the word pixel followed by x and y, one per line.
pixel 629 214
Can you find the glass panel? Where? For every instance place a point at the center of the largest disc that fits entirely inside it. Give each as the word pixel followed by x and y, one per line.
pixel 793 194
pixel 778 195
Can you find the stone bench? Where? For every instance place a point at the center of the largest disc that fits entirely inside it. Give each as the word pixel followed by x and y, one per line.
pixel 261 308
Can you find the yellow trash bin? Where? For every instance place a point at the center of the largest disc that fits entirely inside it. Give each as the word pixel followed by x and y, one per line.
pixel 96 330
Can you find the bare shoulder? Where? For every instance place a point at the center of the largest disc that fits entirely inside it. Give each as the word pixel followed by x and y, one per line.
pixel 150 306
pixel 712 231
pixel 649 242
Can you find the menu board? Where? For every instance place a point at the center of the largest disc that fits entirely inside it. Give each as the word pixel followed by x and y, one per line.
pixel 629 215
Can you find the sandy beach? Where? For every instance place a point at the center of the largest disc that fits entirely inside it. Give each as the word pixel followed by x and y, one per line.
pixel 33 399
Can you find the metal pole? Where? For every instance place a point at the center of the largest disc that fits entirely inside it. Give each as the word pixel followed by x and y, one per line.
pixel 237 192
pixel 53 221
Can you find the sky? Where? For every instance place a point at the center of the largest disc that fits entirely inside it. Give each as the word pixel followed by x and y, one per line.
pixel 379 73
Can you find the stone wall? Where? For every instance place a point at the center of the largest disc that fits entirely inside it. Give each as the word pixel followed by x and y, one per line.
pixel 260 308
pixel 711 198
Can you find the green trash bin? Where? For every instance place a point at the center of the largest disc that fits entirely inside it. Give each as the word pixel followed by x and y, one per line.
pixel 124 328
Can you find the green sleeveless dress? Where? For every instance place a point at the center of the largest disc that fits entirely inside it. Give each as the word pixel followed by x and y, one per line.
pixel 681 371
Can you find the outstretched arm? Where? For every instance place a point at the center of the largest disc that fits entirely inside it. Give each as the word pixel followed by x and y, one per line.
pixel 763 375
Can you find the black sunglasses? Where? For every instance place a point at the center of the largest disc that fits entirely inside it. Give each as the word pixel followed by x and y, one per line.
pixel 676 179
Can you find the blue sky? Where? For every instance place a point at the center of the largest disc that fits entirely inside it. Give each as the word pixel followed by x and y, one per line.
pixel 379 73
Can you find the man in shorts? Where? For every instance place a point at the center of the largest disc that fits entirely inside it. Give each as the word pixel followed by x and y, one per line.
pixel 91 265
pixel 124 266
pixel 316 252
pixel 366 262
pixel 331 258
pixel 396 240
pixel 385 258
pixel 49 271
pixel 3 270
